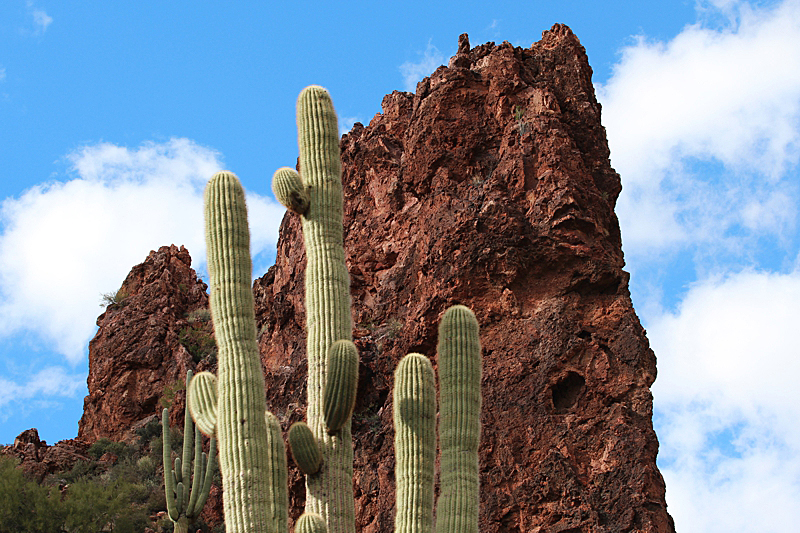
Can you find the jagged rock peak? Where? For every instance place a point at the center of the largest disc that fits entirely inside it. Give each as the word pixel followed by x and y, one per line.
pixel 491 186
pixel 139 350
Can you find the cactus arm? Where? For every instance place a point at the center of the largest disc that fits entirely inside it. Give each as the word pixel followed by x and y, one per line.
pixel 341 385
pixel 414 410
pixel 241 426
pixel 208 468
pixel 278 475
pixel 304 448
pixel 179 498
pixel 197 476
pixel 202 402
pixel 169 474
pixel 188 445
pixel 289 191
pixel 459 428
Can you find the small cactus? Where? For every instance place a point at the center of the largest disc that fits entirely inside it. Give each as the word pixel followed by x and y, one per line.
pixel 183 506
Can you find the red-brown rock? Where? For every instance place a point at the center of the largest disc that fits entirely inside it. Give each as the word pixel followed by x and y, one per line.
pixel 137 352
pixel 39 460
pixel 491 186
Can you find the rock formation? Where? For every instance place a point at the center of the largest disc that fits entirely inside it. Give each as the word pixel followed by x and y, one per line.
pixel 38 459
pixel 139 352
pixel 491 186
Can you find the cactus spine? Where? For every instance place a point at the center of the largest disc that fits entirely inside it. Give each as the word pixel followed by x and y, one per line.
pixel 253 500
pixel 183 506
pixel 459 352
pixel 414 409
pixel 330 493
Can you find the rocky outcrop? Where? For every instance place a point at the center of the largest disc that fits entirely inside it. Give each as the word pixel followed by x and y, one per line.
pixel 141 350
pixel 491 186
pixel 39 460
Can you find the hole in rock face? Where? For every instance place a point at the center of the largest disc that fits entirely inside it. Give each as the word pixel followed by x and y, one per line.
pixel 566 391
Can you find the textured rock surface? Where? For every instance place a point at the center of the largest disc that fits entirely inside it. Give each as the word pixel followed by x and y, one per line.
pixel 138 352
pixel 38 459
pixel 491 186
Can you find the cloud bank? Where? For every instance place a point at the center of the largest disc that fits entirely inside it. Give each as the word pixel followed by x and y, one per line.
pixel 65 243
pixel 723 101
pixel 414 72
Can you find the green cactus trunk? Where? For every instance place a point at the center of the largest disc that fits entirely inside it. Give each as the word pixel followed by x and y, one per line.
pixel 459 352
pixel 330 493
pixel 414 408
pixel 241 427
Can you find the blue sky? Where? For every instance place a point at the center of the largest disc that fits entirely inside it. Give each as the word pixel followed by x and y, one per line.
pixel 115 114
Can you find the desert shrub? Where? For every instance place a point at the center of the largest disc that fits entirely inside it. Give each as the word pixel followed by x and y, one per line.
pixel 149 430
pixel 92 506
pixel 170 391
pixel 199 315
pixel 104 445
pixel 146 466
pixel 198 342
pixel 113 298
pixel 80 470
pixel 25 505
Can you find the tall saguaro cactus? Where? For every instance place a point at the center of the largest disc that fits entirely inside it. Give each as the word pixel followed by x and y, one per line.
pixel 317 196
pixel 459 353
pixel 252 456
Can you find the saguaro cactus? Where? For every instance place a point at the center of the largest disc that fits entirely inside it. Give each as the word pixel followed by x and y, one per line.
pixel 414 411
pixel 317 195
pixel 184 506
pixel 252 456
pixel 459 352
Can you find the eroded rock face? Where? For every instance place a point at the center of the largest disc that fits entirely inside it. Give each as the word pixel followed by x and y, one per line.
pixel 38 459
pixel 491 186
pixel 138 352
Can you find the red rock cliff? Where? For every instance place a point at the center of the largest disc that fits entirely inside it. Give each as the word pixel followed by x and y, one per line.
pixel 491 186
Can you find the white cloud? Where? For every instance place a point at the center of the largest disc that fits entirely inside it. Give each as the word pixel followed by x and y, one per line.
pixel 725 96
pixel 346 124
pixel 65 243
pixel 41 20
pixel 48 382
pixel 2 74
pixel 413 72
pixel 727 403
